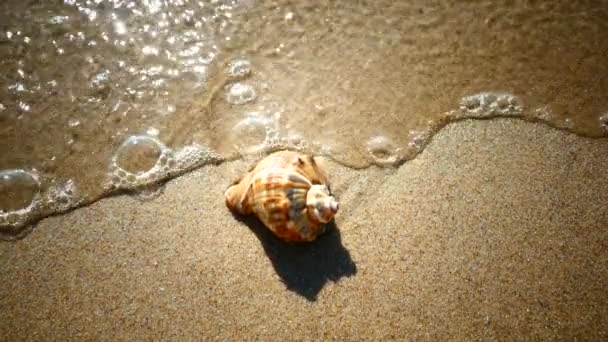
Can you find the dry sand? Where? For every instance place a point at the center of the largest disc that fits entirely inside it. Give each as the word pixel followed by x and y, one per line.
pixel 498 230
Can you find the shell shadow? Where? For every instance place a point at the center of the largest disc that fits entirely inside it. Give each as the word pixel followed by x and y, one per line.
pixel 306 267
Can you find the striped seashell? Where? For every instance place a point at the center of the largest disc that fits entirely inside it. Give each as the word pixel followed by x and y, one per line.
pixel 289 193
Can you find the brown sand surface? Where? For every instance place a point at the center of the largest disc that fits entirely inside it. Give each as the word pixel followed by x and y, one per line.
pixel 498 230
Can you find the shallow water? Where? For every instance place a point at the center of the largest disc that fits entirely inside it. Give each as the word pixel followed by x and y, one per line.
pixel 98 96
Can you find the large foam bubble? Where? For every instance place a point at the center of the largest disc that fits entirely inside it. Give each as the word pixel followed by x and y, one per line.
pixel 19 189
pixel 26 198
pixel 143 160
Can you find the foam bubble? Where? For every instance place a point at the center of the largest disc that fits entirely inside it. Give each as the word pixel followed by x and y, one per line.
pixel 192 156
pixel 240 93
pixel 140 160
pixel 418 139
pixel 382 150
pixel 490 104
pixel 26 200
pixel 543 113
pixel 61 197
pixel 251 134
pixel 19 189
pixel 58 19
pixel 139 153
pixel 143 160
pixel 239 68
pixel 100 82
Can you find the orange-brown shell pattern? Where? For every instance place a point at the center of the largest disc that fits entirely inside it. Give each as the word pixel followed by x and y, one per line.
pixel 289 192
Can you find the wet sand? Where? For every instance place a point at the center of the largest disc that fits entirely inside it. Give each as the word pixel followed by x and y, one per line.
pixel 496 231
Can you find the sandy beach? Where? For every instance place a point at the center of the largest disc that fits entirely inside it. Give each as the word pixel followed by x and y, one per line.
pixel 497 231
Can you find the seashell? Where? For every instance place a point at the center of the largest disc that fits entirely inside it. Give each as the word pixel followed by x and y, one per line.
pixel 289 192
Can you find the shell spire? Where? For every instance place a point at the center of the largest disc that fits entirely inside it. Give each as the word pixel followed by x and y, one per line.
pixel 321 205
pixel 288 192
